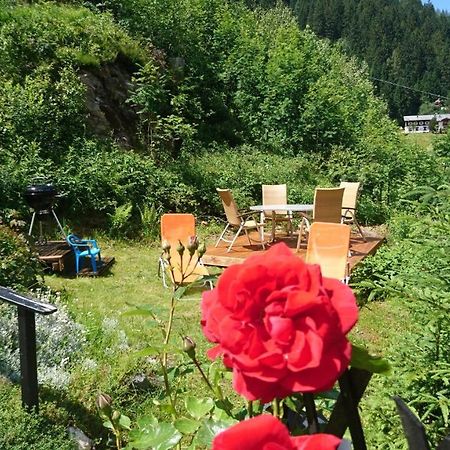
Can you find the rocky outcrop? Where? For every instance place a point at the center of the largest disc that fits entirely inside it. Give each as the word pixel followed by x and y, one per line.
pixel 107 90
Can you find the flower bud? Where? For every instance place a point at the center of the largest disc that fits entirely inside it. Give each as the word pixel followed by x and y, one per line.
pixel 180 248
pixel 201 249
pixel 192 244
pixel 103 401
pixel 189 346
pixel 165 246
pixel 116 415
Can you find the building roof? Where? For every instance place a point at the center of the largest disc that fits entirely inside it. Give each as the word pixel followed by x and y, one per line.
pixel 424 117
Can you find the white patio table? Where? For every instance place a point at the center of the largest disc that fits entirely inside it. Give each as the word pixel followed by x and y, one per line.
pixel 289 208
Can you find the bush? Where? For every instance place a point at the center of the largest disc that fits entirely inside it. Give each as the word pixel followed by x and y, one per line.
pixel 19 267
pixel 244 170
pixel 28 431
pixel 58 340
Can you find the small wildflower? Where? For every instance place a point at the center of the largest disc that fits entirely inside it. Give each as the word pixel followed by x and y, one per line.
pixel 180 248
pixel 165 246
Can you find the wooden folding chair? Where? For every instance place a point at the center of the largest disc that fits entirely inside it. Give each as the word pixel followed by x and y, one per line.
pixel 327 208
pixel 349 200
pixel 177 228
pixel 276 194
pixel 237 220
pixel 328 246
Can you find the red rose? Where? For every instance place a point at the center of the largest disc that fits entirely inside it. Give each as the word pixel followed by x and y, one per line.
pixel 265 432
pixel 279 325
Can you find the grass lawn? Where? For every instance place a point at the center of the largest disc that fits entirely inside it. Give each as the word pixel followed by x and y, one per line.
pixel 421 139
pixel 99 305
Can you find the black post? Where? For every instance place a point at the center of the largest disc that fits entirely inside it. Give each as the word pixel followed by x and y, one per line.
pixel 28 361
pixel 27 307
pixel 311 413
pixel 351 407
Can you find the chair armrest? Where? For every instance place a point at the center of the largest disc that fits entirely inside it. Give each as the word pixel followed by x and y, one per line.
pixel 348 213
pixel 93 242
pixel 245 213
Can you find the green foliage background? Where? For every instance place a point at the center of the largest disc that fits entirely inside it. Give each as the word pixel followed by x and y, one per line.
pixel 226 96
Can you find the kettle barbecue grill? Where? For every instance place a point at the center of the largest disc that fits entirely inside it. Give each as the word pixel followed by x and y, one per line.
pixel 41 198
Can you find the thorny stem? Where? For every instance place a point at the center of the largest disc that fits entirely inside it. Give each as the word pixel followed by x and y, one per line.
pixel 118 440
pixel 205 378
pixel 250 408
pixel 165 354
pixel 276 408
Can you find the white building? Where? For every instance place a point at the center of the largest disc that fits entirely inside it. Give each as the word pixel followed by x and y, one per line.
pixel 421 124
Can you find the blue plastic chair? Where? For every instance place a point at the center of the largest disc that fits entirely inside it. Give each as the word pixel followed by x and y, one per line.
pixel 83 248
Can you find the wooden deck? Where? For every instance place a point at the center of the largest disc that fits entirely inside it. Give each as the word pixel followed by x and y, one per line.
pixel 218 256
pixel 59 257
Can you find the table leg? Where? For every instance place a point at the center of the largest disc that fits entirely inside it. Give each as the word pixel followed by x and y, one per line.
pixel 273 225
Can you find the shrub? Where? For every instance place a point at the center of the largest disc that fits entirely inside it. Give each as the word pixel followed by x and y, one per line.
pixel 58 339
pixel 44 34
pixel 28 431
pixel 19 267
pixel 244 170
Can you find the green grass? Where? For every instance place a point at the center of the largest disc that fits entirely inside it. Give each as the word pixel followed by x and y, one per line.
pixel 132 281
pixel 423 140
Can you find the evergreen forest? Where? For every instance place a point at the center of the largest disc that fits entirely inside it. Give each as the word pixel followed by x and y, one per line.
pixel 405 44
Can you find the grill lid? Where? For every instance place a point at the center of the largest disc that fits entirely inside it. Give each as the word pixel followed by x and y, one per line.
pixel 40 196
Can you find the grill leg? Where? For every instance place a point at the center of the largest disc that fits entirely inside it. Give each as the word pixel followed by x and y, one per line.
pixel 32 223
pixel 59 224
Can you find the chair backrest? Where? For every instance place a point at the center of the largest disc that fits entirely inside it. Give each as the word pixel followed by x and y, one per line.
pixel 177 227
pixel 274 194
pixel 180 227
pixel 350 195
pixel 328 204
pixel 230 207
pixel 75 242
pixel 328 246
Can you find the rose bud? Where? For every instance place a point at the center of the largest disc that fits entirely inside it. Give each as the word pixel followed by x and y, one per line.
pixel 192 244
pixel 189 346
pixel 180 248
pixel 201 249
pixel 103 401
pixel 166 246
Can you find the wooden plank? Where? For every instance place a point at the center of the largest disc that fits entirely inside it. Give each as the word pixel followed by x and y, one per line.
pixel 52 250
pixel 219 257
pixel 102 267
pixel 58 255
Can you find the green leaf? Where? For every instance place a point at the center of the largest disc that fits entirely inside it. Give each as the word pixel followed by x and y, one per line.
pixel 208 432
pixel 186 426
pixel 150 351
pixel 361 359
pixel 108 424
pixel 159 436
pixel 180 292
pixel 125 422
pixel 199 407
pixel 147 422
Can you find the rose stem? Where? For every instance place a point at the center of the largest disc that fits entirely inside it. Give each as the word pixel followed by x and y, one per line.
pixel 250 408
pixel 275 408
